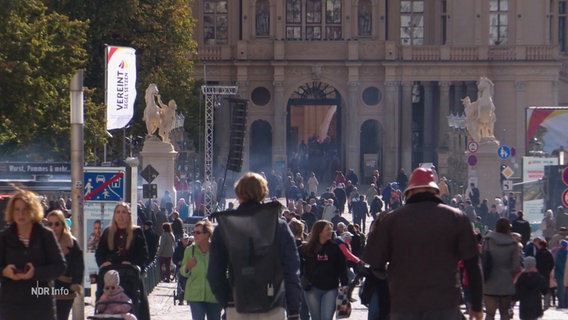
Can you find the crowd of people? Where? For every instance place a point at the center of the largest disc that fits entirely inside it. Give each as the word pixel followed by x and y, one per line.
pixel 324 249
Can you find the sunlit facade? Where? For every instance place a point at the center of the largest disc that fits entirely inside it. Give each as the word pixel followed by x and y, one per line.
pixel 372 82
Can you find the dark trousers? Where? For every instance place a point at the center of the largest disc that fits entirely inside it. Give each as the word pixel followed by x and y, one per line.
pixel 165 264
pixel 447 314
pixel 63 308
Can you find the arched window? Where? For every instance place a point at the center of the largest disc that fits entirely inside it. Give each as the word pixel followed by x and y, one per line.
pixel 304 20
pixel 364 18
pixel 215 22
pixel 262 16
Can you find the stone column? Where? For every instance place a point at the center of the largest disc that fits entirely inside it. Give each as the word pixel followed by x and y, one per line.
pixel 428 154
pixel 406 126
pixel 443 128
pixel 487 170
pixel 161 156
pixel 391 132
pixel 279 130
pixel 459 93
pixel 352 143
pixel 443 113
pixel 244 94
pixel 520 87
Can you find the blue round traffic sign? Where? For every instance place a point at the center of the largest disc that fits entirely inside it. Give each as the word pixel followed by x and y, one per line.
pixel 472 160
pixel 504 152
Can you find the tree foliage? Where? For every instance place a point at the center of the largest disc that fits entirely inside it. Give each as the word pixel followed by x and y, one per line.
pixel 40 52
pixel 45 42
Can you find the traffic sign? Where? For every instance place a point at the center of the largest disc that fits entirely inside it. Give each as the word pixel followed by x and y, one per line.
pixel 565 176
pixel 507 172
pixel 507 185
pixel 472 160
pixel 504 152
pixel 149 173
pixel 565 198
pixel 104 185
pixel 472 146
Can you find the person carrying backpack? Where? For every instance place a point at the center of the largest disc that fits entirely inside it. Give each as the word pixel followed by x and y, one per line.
pixel 263 271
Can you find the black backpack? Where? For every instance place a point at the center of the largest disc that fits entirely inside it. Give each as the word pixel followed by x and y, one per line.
pixel 251 238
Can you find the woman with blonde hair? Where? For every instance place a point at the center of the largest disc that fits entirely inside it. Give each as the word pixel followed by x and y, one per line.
pixel 73 276
pixel 29 258
pixel 123 243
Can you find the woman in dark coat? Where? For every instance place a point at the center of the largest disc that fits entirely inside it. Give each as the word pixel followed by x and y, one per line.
pixel 123 243
pixel 530 287
pixel 69 283
pixel 30 259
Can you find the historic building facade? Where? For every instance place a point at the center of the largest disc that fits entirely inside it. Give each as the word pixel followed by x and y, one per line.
pixel 370 84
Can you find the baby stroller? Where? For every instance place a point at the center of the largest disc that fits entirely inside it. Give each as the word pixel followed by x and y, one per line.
pixel 129 281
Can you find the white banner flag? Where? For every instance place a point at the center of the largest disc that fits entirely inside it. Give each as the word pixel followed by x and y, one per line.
pixel 121 86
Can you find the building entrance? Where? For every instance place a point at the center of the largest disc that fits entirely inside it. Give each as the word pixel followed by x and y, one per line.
pixel 314 131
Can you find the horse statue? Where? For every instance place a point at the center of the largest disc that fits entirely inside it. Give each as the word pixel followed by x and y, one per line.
pixel 167 118
pixel 152 111
pixel 470 109
pixel 480 114
pixel 486 108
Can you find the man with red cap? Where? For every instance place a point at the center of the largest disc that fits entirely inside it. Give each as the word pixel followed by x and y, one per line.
pixel 422 242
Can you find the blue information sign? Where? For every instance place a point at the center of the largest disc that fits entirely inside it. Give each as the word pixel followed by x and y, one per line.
pixel 504 152
pixel 104 186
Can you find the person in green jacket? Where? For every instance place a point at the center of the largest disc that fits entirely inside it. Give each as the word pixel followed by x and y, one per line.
pixel 194 266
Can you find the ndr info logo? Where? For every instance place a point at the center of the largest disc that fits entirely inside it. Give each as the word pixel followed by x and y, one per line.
pixel 48 291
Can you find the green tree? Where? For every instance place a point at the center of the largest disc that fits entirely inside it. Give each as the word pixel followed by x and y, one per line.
pixel 45 42
pixel 40 52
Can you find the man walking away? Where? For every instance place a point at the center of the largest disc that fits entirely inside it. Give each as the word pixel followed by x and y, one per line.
pixel 445 236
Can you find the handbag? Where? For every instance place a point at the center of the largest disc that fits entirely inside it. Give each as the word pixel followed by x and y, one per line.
pixel 342 306
pixel 305 282
pixel 486 262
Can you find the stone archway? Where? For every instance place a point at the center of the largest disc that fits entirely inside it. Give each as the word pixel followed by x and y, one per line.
pixel 313 130
pixel 371 142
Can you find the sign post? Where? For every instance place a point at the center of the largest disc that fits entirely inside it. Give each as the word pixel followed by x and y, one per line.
pixel 103 187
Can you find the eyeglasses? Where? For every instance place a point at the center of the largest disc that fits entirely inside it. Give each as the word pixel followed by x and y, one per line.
pixel 198 232
pixel 56 224
pixel 110 288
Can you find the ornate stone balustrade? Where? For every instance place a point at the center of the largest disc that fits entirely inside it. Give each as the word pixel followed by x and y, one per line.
pixel 369 50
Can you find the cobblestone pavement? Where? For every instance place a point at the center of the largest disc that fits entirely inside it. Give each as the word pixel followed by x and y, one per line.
pixel 162 307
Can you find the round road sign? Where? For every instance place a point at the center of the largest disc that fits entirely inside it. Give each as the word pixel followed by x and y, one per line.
pixel 565 197
pixel 472 146
pixel 565 176
pixel 472 160
pixel 504 152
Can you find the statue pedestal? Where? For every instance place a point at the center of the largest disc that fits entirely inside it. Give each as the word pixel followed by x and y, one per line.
pixel 161 156
pixel 487 171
